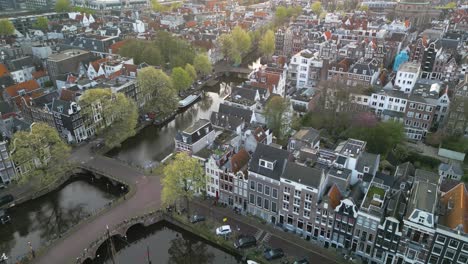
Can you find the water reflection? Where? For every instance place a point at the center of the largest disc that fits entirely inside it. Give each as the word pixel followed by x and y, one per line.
pixel 41 220
pixel 162 243
pixel 155 143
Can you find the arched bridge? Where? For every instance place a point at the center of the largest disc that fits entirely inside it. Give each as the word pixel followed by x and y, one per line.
pixel 121 230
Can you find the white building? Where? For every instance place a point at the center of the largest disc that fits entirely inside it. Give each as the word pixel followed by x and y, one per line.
pixel 23 75
pixel 304 68
pixel 407 75
pixel 388 100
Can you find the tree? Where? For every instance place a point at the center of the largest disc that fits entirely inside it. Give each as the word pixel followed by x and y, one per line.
pixel 381 138
pixel 41 153
pixel 281 15
pixel 184 177
pixel 242 40
pixel 118 115
pixel 42 23
pixel 6 27
pixel 202 64
pixel 275 111
pixel 316 8
pixel 62 6
pixel 451 5
pixel 364 8
pixel 157 90
pixel 267 43
pixel 152 55
pixel 191 71
pixel 180 79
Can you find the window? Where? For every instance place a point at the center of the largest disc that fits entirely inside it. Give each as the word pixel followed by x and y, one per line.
pixel 307 206
pixel 286 198
pixel 259 187
pixel 297 201
pixel 259 201
pixel 252 199
pixel 437 249
pixel 463 258
pixel 307 214
pixel 266 204
pixel 453 243
pixel 412 105
pixel 252 185
pixel 275 193
pixel 267 190
pixel 308 197
pixel 286 206
pixel 433 260
pixel 273 207
pixel 465 247
pixel 450 254
pixel 297 193
pixel 296 210
pixel 287 189
pixel 410 114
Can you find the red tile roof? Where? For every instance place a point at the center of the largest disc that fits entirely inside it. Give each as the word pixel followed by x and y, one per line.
pixel 3 70
pixel 191 24
pixel 116 46
pixel 239 160
pixel 334 196
pixel 39 74
pixel 455 202
pixel 28 86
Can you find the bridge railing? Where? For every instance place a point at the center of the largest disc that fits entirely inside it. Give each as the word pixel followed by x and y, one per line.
pixel 90 251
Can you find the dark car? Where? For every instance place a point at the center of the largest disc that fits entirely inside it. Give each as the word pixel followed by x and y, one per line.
pixel 245 242
pixel 301 261
pixel 196 218
pixel 4 218
pixel 274 253
pixel 6 199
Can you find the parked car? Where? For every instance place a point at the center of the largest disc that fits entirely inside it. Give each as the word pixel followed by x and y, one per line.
pixel 274 253
pixel 223 230
pixel 245 242
pixel 197 218
pixel 2 186
pixel 4 218
pixel 251 262
pixel 6 199
pixel 301 261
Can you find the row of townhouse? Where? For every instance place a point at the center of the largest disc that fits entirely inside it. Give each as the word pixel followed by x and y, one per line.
pixel 337 197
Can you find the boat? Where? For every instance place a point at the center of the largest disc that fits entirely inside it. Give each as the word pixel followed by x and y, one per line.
pixel 189 100
pixel 162 119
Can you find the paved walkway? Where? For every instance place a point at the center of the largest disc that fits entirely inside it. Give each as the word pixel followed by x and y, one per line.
pixel 147 197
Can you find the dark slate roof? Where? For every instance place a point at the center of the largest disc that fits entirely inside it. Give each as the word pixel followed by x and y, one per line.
pixel 60 106
pixel 366 160
pixel 225 121
pixel 427 176
pixel 244 93
pixel 5 108
pixel 307 134
pixel 302 174
pixel 384 179
pixel 45 99
pixel 455 166
pixel 278 156
pixel 243 114
pixel 370 66
pixel 195 132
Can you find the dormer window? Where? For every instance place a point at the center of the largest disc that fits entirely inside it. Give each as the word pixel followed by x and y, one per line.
pixel 366 169
pixel 266 164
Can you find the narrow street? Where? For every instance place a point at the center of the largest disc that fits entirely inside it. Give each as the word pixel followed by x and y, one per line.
pixel 268 235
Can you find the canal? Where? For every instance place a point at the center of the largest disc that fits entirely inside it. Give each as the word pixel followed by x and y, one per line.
pixel 163 243
pixel 39 221
pixel 154 143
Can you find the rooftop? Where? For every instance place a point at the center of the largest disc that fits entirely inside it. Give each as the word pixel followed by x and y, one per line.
pixel 196 126
pixel 66 54
pixel 412 67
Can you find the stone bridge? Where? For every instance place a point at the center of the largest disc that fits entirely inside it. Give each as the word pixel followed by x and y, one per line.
pixel 121 231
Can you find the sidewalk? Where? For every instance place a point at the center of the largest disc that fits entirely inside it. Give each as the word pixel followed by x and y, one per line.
pixel 292 245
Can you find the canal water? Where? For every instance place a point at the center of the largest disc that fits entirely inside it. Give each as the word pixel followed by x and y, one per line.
pixel 163 243
pixel 154 143
pixel 37 222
